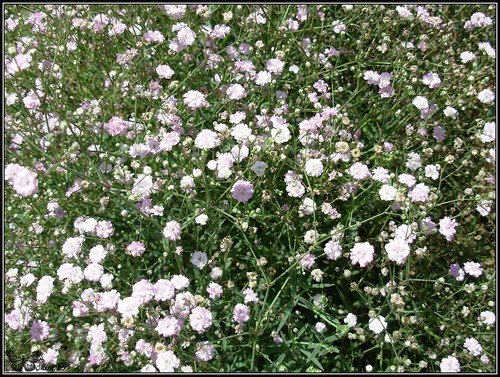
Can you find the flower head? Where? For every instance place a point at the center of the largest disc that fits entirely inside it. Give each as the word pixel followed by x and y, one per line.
pixel 242 191
pixel 172 231
pixel 241 313
pixel 362 253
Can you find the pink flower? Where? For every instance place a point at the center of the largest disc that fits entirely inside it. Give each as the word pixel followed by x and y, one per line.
pixel 40 330
pixel 432 80
pixel 380 174
pixel 136 248
pixel 168 141
pixel 449 364
pixel 236 92
pixel 72 247
pixel 11 170
pixel 154 36
pixel 169 326
pixel 488 133
pixel 307 261
pixel 143 291
pixel 473 269
pixel 32 100
pixel 142 185
pixel 420 103
pixel 96 334
pixel 172 231
pixel 333 250
pixel 104 229
pixel 362 253
pixel 204 351
pixel 116 126
pixel 200 319
pixel 359 171
pixel 241 132
pixel 467 56
pixel 275 66
pixel 93 272
pixel 207 139
pixel 19 63
pixel 164 71
pixel 25 182
pixel 108 301
pixel 250 296
pixel 457 272
pixel 195 99
pixel 166 361
pixel 214 290
pixel 50 356
pixel 372 77
pixel 419 193
pixel 447 227
pixel 174 11
pixel 17 320
pixel 241 313
pixel 439 133
pixel 79 309
pixel 179 281
pixel 407 179
pixel 294 186
pixel 186 36
pixel 44 289
pixel 163 290
pixel 473 346
pixel 242 191
pixel 184 302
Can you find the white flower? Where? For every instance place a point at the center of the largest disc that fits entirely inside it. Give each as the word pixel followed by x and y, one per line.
pixel 307 207
pixel 484 207
pixel 259 167
pixel 263 78
pixel 397 250
pixel 431 172
pixel 320 327
pixel 377 324
pixel 186 36
pixel 142 185
pixel 450 112
pixel 449 364
pixel 240 152
pixel 387 192
pixel 420 103
pixel 489 133
pixel 351 320
pixel 199 259
pixel 311 236
pixel 281 134
pixel 486 96
pixel 473 269
pixel 128 307
pixel 164 71
pixel 473 346
pixel 487 317
pixel 314 167
pixel 201 219
pixel 166 361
